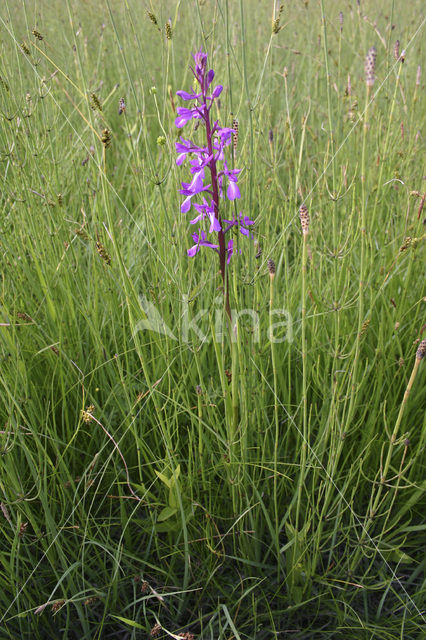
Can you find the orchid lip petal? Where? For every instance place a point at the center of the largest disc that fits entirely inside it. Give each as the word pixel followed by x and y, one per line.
pixel 233 191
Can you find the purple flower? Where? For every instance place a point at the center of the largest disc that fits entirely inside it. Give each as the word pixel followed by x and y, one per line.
pixel 188 96
pixel 204 210
pixel 185 115
pixel 200 241
pixel 232 191
pixel 186 146
pixel 211 156
pixel 241 222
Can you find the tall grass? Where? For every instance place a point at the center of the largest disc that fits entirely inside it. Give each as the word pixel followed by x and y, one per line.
pixel 167 480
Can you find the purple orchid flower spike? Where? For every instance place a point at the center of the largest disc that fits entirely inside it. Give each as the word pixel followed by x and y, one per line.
pixel 211 156
pixel 200 241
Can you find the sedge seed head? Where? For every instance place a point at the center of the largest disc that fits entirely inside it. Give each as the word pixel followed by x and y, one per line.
pixel 37 34
pixel 370 66
pixel 396 50
pixel 271 267
pixel 304 219
pixel 152 17
pixel 103 252
pixel 106 138
pixel 25 48
pixel 421 351
pixel 235 134
pixel 95 103
pixel 418 75
pixel 4 84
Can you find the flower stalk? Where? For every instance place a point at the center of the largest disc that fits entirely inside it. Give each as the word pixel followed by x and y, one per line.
pixel 223 181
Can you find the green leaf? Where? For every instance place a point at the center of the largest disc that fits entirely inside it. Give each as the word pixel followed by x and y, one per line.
pixel 164 479
pixel 131 623
pixel 166 513
pixel 396 555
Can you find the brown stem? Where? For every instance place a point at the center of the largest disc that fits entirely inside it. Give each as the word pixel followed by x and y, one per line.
pixel 220 235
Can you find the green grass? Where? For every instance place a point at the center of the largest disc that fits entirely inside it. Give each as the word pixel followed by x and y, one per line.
pixel 247 490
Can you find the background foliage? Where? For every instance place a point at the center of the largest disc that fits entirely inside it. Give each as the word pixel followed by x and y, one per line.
pixel 130 495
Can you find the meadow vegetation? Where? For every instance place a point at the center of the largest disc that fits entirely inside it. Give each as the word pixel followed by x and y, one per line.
pixel 168 479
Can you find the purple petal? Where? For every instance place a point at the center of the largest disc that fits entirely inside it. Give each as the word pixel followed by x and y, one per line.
pixel 186 204
pixel 217 91
pixel 210 77
pixel 230 250
pixel 197 219
pixel 187 96
pixel 233 191
pixel 193 250
pixel 214 223
pixel 181 121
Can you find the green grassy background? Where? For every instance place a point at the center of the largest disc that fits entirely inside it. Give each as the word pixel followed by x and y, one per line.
pixel 302 515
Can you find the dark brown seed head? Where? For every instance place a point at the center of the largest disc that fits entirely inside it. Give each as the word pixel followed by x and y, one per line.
pixel 271 136
pixel 4 84
pixel 152 17
pixel 406 244
pixel 168 29
pixel 37 34
pixel 155 630
pixel 304 219
pixel 121 106
pixel 235 134
pixel 365 326
pixel 396 50
pixel 57 605
pixel 276 23
pixel 103 252
pixel 106 138
pixel 271 267
pixel 370 66
pixel 25 48
pixel 95 103
pixel 24 316
pixel 421 351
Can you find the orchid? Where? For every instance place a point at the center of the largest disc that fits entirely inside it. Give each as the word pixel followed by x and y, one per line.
pixel 222 181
